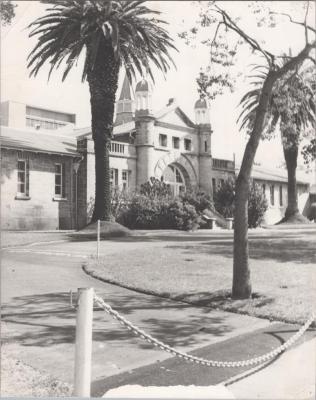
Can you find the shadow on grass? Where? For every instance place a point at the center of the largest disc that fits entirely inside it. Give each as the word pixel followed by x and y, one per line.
pixel 47 319
pixel 292 249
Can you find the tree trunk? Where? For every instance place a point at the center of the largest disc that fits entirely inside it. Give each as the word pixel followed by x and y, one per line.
pixel 290 155
pixel 241 273
pixel 103 80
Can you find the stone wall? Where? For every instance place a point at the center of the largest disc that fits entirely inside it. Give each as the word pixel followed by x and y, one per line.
pixel 40 210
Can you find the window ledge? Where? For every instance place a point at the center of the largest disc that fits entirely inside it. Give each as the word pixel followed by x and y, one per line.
pixel 60 199
pixel 22 197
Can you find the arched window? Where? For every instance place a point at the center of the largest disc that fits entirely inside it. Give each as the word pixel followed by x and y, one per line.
pixel 173 177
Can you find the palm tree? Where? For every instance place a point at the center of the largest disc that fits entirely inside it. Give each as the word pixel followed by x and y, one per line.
pixel 109 34
pixel 292 106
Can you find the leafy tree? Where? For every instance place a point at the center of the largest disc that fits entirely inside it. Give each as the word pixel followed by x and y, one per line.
pixel 224 45
pixel 292 106
pixel 110 34
pixel 224 200
pixel 7 12
pixel 309 152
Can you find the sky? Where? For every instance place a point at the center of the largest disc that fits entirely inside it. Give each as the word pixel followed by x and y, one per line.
pixel 73 95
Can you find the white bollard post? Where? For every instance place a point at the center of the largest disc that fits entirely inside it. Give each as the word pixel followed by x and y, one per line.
pixel 98 239
pixel 83 348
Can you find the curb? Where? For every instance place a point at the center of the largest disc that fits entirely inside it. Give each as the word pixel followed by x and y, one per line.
pixel 168 297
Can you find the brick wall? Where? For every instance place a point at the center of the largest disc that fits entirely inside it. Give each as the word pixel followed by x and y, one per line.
pixel 40 210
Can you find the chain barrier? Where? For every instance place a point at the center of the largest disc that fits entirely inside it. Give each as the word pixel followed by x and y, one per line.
pixel 202 361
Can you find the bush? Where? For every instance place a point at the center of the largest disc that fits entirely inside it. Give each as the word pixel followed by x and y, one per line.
pixel 199 200
pixel 224 197
pixel 257 206
pixel 154 208
pixel 182 216
pixel 224 201
pixel 155 188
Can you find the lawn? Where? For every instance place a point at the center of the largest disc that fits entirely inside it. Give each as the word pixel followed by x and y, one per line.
pixel 200 272
pixel 19 238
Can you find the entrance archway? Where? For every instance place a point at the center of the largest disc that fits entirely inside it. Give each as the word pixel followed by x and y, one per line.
pixel 174 179
pixel 180 163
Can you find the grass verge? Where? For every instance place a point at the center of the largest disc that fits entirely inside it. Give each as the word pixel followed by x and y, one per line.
pixel 282 269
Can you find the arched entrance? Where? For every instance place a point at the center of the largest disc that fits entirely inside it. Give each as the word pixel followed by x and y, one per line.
pixel 177 171
pixel 174 179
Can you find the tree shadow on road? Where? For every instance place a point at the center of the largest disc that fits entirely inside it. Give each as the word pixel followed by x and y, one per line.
pixel 47 319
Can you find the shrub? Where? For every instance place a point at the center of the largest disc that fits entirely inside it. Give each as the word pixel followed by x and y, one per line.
pixel 224 197
pixel 182 216
pixel 154 208
pixel 155 188
pixel 257 206
pixel 224 201
pixel 199 200
pixel 142 212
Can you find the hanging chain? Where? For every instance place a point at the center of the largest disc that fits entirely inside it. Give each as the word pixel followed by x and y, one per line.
pixel 202 361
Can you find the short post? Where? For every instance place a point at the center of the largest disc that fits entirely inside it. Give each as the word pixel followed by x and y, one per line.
pixel 212 223
pixel 98 239
pixel 229 223
pixel 83 348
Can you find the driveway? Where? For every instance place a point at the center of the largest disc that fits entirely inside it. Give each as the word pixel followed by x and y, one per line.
pixel 39 324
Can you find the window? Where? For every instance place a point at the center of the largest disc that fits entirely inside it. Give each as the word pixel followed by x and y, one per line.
pixel 113 177
pixel 60 181
pixel 162 140
pixel 43 124
pixel 125 176
pixel 175 142
pixel 178 176
pixel 187 144
pixel 23 178
pixel 205 146
pixel 264 189
pixel 221 182
pixel 281 195
pixel 272 195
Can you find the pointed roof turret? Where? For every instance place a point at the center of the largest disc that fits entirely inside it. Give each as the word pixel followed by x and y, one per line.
pixel 125 104
pixel 126 93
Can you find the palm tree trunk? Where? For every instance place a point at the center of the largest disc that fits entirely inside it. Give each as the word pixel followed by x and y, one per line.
pixel 290 155
pixel 103 80
pixel 241 273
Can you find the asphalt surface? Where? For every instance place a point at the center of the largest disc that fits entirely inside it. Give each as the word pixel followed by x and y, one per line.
pixel 175 371
pixel 38 324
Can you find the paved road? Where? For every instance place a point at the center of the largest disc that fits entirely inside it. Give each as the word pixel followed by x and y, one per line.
pixel 39 324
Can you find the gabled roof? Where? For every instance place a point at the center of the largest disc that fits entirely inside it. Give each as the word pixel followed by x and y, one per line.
pixel 38 141
pixel 130 126
pixel 170 107
pixel 273 175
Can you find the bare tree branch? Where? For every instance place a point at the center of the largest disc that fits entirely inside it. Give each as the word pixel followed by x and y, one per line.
pixel 227 20
pixel 295 61
pixel 295 22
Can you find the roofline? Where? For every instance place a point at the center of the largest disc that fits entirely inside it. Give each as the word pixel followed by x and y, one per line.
pixel 40 151
pixel 39 107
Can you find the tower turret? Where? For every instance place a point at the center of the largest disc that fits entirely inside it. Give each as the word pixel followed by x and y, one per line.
pixel 203 122
pixel 145 129
pixel 143 97
pixel 202 112
pixel 125 104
